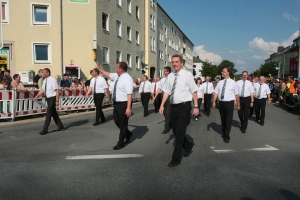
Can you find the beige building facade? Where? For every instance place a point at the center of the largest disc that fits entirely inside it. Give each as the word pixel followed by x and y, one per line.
pixel 36 36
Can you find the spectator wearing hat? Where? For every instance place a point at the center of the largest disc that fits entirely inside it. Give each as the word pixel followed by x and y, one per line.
pixel 64 83
pixel 8 78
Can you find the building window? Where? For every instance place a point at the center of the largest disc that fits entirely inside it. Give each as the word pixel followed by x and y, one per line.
pixel 129 6
pixel 128 33
pixel 152 22
pixel 119 2
pixel 129 60
pixel 41 14
pixel 166 32
pixel 118 56
pixel 105 21
pixel 137 62
pixel 105 55
pixel 152 3
pixel 118 28
pixel 137 37
pixel 42 53
pixel 137 12
pixel 152 41
pixel 5 11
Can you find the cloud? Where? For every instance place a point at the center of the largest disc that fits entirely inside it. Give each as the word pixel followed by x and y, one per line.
pixel 240 62
pixel 204 55
pixel 289 17
pixel 256 57
pixel 298 1
pixel 236 52
pixel 260 43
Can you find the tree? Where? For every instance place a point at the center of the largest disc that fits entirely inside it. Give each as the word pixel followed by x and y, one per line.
pixel 227 64
pixel 267 69
pixel 208 69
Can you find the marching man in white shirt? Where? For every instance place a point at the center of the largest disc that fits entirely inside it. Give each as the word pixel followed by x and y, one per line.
pixel 181 88
pixel 98 86
pixel 144 91
pixel 262 92
pixel 208 91
pixel 227 92
pixel 50 88
pixel 246 93
pixel 155 89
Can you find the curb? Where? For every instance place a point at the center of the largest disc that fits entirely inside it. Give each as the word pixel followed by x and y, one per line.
pixel 42 119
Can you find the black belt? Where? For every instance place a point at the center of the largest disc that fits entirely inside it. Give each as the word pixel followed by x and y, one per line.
pixel 245 97
pixel 145 92
pixel 226 101
pixel 51 97
pixel 116 102
pixel 179 104
pixel 99 93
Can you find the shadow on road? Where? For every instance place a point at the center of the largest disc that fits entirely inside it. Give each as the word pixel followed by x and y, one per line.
pixel 218 127
pixel 77 123
pixel 289 195
pixel 138 132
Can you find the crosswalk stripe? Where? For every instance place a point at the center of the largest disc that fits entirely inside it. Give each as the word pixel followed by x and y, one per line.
pixel 95 157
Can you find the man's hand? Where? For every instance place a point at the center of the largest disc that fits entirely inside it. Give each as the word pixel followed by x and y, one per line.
pixel 57 103
pixel 107 100
pixel 98 65
pixel 238 108
pixel 251 105
pixel 34 99
pixel 161 110
pixel 128 112
pixel 86 97
pixel 153 100
pixel 269 101
pixel 195 112
pixel 214 104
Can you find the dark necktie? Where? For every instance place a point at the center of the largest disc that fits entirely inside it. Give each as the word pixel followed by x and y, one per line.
pixel 223 90
pixel 173 90
pixel 259 91
pixel 143 87
pixel 206 87
pixel 95 85
pixel 46 89
pixel 243 89
pixel 154 92
pixel 115 90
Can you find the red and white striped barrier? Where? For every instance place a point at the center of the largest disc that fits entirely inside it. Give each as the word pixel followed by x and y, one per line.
pixel 6 107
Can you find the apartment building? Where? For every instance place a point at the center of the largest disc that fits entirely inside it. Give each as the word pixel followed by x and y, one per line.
pixel 39 34
pixel 121 34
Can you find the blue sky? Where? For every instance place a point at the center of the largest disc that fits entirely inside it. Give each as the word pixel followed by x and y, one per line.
pixel 242 31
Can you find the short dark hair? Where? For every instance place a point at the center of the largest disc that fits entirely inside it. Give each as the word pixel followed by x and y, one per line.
pixel 228 70
pixel 96 70
pixel 123 66
pixel 218 78
pixel 145 77
pixel 47 70
pixel 178 56
pixel 15 76
pixel 168 69
pixel 91 71
pixel 198 78
pixel 245 72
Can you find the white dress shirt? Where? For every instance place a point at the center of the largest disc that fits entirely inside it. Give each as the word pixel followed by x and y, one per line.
pixel 231 89
pixel 199 91
pixel 209 86
pixel 124 86
pixel 185 86
pixel 100 84
pixel 265 90
pixel 249 89
pixel 52 86
pixel 158 86
pixel 146 85
pixel 162 83
pixel 112 86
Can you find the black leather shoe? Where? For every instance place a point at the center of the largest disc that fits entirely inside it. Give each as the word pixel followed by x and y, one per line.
pixel 256 121
pixel 187 153
pixel 43 132
pixel 118 146
pixel 226 140
pixel 173 164
pixel 243 131
pixel 262 124
pixel 127 140
pixel 165 131
pixel 96 124
pixel 60 128
pixel 103 121
pixel 145 115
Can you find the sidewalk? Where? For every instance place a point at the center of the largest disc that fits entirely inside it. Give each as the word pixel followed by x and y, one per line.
pixel 41 119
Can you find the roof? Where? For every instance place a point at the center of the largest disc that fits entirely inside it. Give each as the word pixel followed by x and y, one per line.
pixel 196 59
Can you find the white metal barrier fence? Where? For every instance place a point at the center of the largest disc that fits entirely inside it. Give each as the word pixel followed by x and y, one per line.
pixel 20 103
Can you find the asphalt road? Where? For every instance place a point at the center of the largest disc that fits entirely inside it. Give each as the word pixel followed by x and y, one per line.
pixel 264 163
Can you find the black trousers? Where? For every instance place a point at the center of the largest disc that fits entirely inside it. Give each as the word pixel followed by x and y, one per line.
pixel 252 109
pixel 98 99
pixel 244 112
pixel 157 103
pixel 51 112
pixel 226 113
pixel 180 118
pixel 207 103
pixel 167 110
pixel 260 106
pixel 145 97
pixel 199 105
pixel 121 120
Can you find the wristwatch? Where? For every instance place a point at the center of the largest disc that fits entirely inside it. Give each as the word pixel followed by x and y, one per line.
pixel 196 107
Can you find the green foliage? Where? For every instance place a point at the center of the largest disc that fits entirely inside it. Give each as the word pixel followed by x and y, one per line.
pixel 144 66
pixel 208 69
pixel 266 69
pixel 227 64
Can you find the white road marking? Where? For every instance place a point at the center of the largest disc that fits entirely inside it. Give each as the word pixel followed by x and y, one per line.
pixel 223 151
pixel 93 157
pixel 266 148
